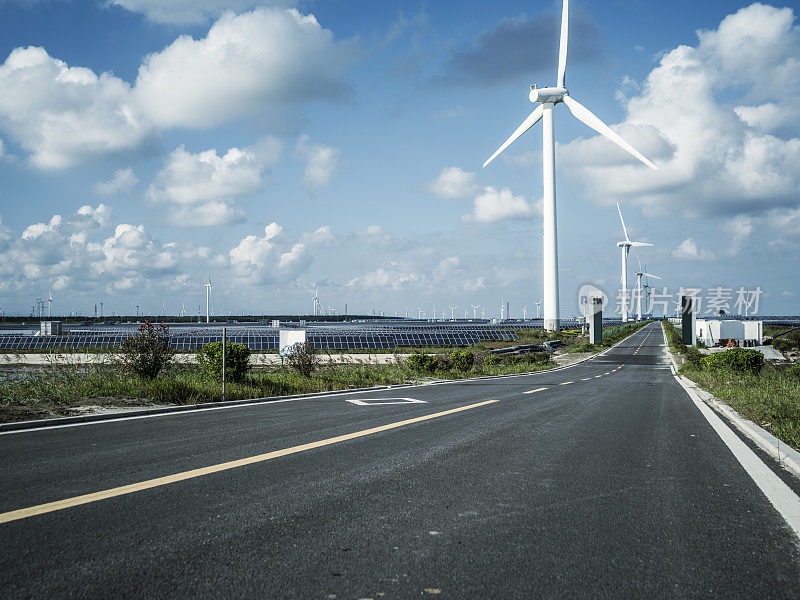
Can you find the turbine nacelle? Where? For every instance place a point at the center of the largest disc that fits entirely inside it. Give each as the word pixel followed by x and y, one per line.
pixel 554 95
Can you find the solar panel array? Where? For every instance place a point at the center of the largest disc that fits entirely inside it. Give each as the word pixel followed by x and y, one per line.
pixel 343 337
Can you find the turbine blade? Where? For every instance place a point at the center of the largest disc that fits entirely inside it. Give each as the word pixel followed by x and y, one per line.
pixel 619 210
pixel 532 119
pixel 653 276
pixel 640 244
pixel 584 114
pixel 639 260
pixel 562 50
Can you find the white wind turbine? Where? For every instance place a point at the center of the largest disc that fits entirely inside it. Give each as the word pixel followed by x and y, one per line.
pixel 525 312
pixel 49 304
pixel 475 308
pixel 639 274
pixel 452 312
pixel 547 98
pixel 626 246
pixel 538 307
pixel 483 313
pixel 208 300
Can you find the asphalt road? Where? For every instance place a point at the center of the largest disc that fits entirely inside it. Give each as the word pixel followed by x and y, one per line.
pixel 605 481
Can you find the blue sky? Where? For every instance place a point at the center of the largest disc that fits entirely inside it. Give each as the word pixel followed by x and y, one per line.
pixel 279 148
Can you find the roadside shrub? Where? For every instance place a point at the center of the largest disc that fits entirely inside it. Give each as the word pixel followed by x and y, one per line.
pixel 783 344
pixel 443 362
pixel 584 347
pixel 422 363
pixel 739 360
pixel 794 371
pixel 491 360
pixel 462 360
pixel 694 357
pixel 147 352
pixel 304 359
pixel 236 360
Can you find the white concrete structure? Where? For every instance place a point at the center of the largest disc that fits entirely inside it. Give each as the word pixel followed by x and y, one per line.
pixel 743 333
pixel 547 98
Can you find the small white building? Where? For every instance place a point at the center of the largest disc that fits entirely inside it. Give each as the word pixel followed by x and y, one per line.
pixel 713 332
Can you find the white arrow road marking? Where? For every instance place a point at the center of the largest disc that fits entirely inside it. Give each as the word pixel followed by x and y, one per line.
pixel 384 401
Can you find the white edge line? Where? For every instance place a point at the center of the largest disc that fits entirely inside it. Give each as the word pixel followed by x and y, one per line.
pixel 267 402
pixel 777 492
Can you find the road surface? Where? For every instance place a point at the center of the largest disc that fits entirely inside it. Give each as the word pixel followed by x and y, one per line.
pixel 600 480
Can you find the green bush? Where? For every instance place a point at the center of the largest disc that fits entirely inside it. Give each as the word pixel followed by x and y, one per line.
pixel 739 360
pixel 236 360
pixel 147 352
pixel 462 360
pixel 783 344
pixel 794 371
pixel 491 360
pixel 422 363
pixel 695 357
pixel 303 358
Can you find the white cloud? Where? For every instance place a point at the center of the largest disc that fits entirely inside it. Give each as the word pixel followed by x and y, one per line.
pixel 714 157
pixel 322 236
pixel 189 12
pixel 201 189
pixel 395 276
pixel 273 258
pixel 64 115
pixel 321 162
pixel 453 183
pixel 121 183
pixel 689 250
pixel 266 57
pixel 498 205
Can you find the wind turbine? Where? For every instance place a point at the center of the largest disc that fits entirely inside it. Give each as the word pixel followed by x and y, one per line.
pixel 475 308
pixel 208 299
pixel 538 307
pixel 49 304
pixel 452 312
pixel 525 312
pixel 547 98
pixel 483 313
pixel 626 249
pixel 639 274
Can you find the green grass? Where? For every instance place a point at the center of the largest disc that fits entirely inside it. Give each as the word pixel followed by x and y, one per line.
pixel 771 398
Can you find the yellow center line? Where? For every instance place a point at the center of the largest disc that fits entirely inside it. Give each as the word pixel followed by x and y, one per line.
pixel 541 389
pixel 597 376
pixel 586 379
pixel 608 373
pixel 23 513
pixel 567 383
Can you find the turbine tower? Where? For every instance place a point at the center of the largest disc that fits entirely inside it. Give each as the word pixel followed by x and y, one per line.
pixel 626 246
pixel 639 274
pixel 208 300
pixel 547 98
pixel 49 304
pixel 475 308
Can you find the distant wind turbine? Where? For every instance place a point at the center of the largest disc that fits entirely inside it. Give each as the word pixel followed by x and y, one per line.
pixel 538 307
pixel 547 98
pixel 639 274
pixel 525 312
pixel 208 300
pixel 626 246
pixel 49 304
pixel 475 308
pixel 452 312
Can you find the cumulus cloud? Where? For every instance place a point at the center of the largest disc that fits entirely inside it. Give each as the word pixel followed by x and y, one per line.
pixel 453 183
pixel 715 157
pixel 76 252
pixel 322 236
pixel 266 59
pixel 245 62
pixel 689 250
pixel 189 12
pixel 321 161
pixel 395 276
pixel 272 258
pixel 513 48
pixel 64 115
pixel 201 189
pixel 121 183
pixel 493 205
